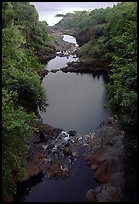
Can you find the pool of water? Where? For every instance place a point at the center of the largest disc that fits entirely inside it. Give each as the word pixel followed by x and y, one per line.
pixel 75 101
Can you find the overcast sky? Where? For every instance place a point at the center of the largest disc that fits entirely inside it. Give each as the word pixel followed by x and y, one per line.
pixel 48 10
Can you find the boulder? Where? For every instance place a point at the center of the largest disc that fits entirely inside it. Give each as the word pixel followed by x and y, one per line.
pixel 106 170
pixel 67 151
pixel 104 193
pixel 54 70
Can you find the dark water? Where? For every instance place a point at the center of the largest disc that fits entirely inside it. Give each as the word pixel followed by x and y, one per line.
pixel 70 189
pixel 76 101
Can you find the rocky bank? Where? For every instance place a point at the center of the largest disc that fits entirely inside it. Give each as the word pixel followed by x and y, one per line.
pixel 105 155
pixel 52 152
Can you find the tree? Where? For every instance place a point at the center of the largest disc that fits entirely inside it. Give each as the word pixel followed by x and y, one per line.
pixel 17 127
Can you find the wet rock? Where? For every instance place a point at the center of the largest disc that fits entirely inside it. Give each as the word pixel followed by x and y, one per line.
pixel 65 171
pixel 43 73
pixel 47 130
pixel 76 140
pixel 67 144
pixel 67 151
pixel 54 169
pixel 72 133
pixel 64 135
pixel 54 70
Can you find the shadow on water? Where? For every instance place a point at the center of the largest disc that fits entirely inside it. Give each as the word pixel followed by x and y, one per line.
pixel 24 188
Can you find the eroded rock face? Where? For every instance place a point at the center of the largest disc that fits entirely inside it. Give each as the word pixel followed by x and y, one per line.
pixel 105 155
pixel 104 193
pixel 106 170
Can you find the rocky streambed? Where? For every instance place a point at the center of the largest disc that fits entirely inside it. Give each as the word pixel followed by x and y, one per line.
pixel 53 151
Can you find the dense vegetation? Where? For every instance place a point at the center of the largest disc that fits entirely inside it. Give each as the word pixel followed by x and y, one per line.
pixel 35 31
pixel 109 36
pixel 22 93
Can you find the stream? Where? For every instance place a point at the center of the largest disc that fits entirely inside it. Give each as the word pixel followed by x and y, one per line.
pixel 75 103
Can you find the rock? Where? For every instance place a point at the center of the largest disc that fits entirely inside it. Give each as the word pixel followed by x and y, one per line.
pixel 67 151
pixel 65 171
pixel 43 73
pixel 75 154
pixel 64 135
pixel 117 179
pixel 91 196
pixel 88 158
pixel 54 70
pixel 110 120
pixel 106 170
pixel 54 169
pixel 49 175
pixel 67 144
pixel 85 144
pixel 94 159
pixel 94 166
pixel 104 193
pixel 47 130
pixel 50 146
pixel 105 155
pixel 72 133
pixel 76 140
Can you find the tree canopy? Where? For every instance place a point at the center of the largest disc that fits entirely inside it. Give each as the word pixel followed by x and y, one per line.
pixel 22 93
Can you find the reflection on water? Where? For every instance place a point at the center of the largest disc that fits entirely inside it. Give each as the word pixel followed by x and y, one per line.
pixel 76 101
pixel 59 62
pixel 70 39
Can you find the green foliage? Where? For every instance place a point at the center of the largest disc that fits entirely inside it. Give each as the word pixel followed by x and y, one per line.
pixel 39 37
pixel 22 93
pixel 17 127
pixel 26 18
pixel 19 70
pixel 122 89
pixel 7 14
pixel 25 14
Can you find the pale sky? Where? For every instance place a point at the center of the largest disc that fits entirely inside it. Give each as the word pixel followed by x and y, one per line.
pixel 48 10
